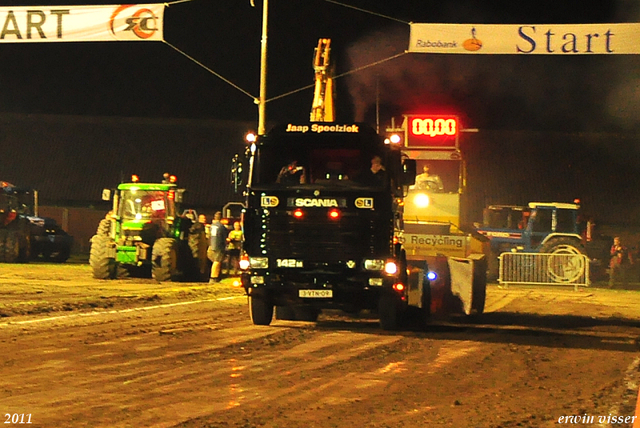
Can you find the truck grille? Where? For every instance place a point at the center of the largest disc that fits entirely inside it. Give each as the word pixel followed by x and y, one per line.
pixel 317 238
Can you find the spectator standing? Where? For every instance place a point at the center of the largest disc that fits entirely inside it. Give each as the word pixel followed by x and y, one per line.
pixel 217 243
pixel 620 262
pixel 202 219
pixel 234 245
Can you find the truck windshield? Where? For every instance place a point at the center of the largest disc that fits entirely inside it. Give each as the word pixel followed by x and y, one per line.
pixel 145 205
pixel 320 166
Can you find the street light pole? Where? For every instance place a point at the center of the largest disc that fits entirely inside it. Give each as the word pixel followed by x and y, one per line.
pixel 263 70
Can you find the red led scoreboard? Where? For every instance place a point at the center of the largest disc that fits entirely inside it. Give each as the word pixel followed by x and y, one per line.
pixel 431 131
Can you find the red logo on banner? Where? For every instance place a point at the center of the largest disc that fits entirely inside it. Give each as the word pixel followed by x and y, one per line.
pixel 432 131
pixel 142 22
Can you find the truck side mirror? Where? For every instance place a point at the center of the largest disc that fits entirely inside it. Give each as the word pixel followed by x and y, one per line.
pixel 179 198
pixel 106 194
pixel 236 173
pixel 408 176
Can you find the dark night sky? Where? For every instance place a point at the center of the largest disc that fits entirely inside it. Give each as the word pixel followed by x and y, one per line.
pixel 560 95
pixel 151 79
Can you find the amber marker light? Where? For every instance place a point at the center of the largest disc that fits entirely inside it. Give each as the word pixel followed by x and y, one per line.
pixel 298 213
pixel 334 214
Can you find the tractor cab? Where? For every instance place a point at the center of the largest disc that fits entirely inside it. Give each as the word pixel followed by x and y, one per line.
pixel 536 227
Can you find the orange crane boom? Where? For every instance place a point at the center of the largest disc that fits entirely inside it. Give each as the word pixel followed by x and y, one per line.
pixel 322 109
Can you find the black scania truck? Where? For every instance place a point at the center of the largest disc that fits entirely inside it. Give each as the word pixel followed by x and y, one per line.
pixel 320 226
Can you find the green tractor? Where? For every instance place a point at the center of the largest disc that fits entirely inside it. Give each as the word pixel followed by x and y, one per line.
pixel 144 235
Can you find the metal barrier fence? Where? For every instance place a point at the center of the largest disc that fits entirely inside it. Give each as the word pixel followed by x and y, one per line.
pixel 544 269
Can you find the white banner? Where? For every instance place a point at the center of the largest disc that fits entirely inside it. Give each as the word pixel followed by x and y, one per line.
pixel 35 24
pixel 546 39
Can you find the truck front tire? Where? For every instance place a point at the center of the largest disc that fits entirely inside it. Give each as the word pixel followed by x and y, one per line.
pixel 390 311
pixel 306 313
pixel 260 309
pixel 285 313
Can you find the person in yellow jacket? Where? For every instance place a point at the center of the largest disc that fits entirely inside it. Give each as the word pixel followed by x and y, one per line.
pixel 234 245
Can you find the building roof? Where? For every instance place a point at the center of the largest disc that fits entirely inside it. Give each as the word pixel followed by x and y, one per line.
pixel 70 159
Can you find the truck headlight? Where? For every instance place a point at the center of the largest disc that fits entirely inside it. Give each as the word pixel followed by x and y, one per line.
pixel 244 262
pixel 373 264
pixel 259 262
pixel 391 268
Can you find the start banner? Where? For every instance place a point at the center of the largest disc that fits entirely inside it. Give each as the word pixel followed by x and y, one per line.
pixel 546 39
pixel 35 24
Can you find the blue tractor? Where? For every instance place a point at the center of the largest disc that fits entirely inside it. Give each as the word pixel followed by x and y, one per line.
pixel 540 227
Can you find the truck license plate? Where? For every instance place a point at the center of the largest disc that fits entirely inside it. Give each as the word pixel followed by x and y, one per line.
pixel 321 294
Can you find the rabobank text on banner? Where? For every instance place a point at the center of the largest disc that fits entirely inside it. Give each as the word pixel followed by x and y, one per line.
pixel 526 39
pixel 35 24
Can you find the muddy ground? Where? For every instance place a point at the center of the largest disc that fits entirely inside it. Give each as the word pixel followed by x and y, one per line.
pixel 80 352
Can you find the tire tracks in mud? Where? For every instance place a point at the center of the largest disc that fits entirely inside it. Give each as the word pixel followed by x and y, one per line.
pixel 203 364
pixel 132 369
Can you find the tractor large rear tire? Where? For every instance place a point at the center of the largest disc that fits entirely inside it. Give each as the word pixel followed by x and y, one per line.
pixel 12 246
pixel 260 309
pixel 103 266
pixel 24 244
pixel 3 239
pixel 165 260
pixel 564 246
pixel 198 245
pixel 571 268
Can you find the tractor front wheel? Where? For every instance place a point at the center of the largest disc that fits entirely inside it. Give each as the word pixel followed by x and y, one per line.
pixel 165 260
pixel 104 227
pixel 103 266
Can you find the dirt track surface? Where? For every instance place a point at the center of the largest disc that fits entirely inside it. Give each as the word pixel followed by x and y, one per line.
pixel 79 352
